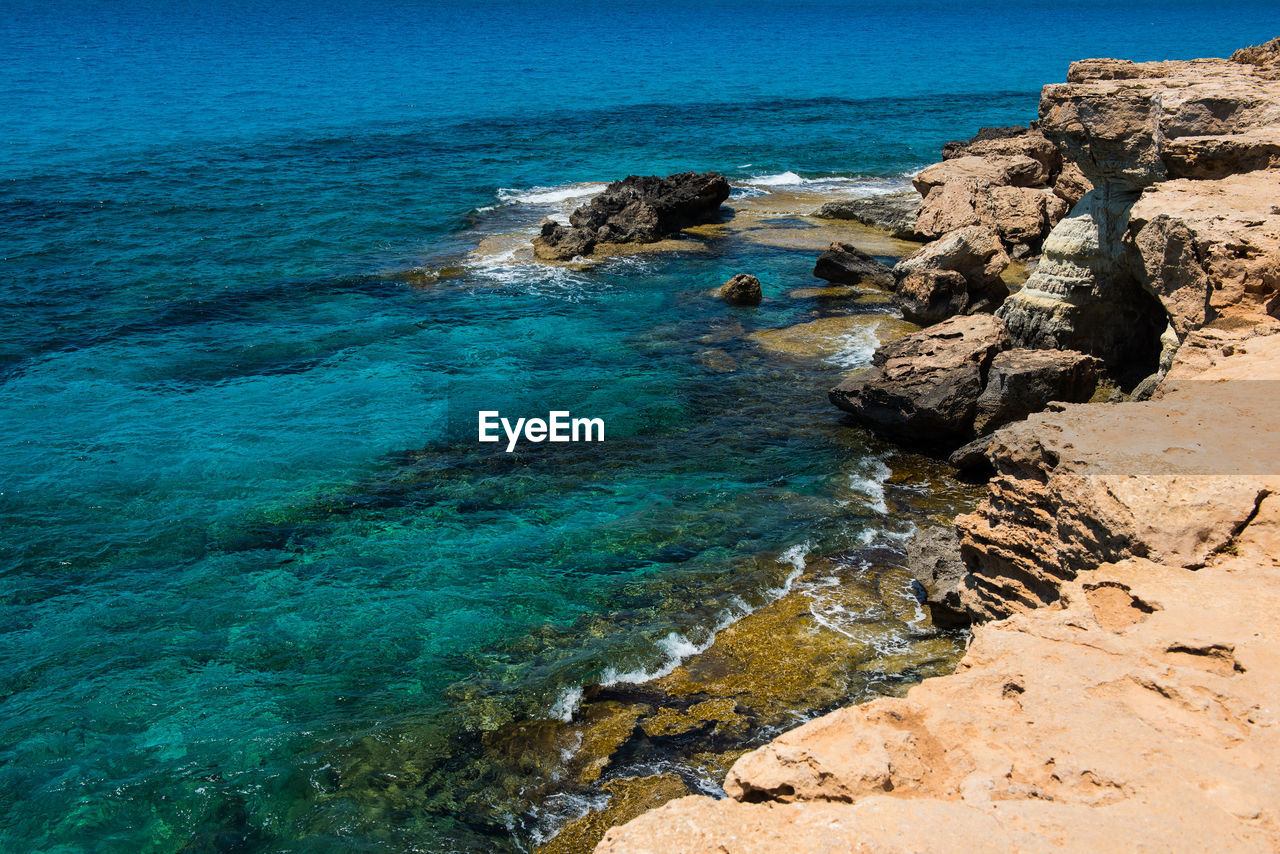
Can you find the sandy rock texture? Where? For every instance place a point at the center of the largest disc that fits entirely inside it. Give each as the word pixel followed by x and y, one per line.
pixel 1139 715
pixel 1181 227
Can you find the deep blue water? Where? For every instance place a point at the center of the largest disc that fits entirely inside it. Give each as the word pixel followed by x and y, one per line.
pixel 244 523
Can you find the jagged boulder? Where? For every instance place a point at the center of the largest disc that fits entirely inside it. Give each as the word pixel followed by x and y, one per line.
pixel 892 212
pixel 923 389
pixel 1144 251
pixel 741 289
pixel 635 210
pixel 975 253
pixel 1021 382
pixel 845 264
pixel 927 297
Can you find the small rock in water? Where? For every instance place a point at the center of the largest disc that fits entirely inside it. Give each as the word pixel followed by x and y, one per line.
pixel 742 289
pixel 845 264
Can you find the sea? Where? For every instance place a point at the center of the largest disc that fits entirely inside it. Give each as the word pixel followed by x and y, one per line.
pixel 262 262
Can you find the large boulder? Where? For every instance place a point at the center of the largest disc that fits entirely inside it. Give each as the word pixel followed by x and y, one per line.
pixel 892 212
pixel 923 389
pixel 927 297
pixel 926 294
pixel 1021 382
pixel 741 289
pixel 1016 170
pixel 845 264
pixel 636 210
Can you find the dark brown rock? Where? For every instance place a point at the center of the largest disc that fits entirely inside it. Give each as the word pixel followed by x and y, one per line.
pixel 1021 382
pixel 558 242
pixel 742 289
pixel 636 210
pixel 845 264
pixel 923 389
pixel 931 296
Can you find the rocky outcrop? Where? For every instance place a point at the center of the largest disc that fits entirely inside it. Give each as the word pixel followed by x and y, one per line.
pixel 923 388
pixel 928 293
pixel 742 289
pixel 1021 382
pixel 892 212
pixel 1004 179
pixel 845 264
pixel 1171 479
pixel 1137 710
pixel 1179 228
pixel 634 210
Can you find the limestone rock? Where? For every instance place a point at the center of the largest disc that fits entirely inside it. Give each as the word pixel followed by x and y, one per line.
pixel 1083 295
pixel 1138 716
pixel 1208 249
pixel 845 264
pixel 741 289
pixel 893 212
pixel 975 253
pixel 635 210
pixel 1021 382
pixel 923 388
pixel 1071 186
pixel 933 558
pixel 1169 479
pixel 1001 170
pixel 1113 281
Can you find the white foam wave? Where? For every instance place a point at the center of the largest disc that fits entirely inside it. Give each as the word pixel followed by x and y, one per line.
pixel 567 703
pixel 856 348
pixel 676 648
pixel 549 195
pixel 870 485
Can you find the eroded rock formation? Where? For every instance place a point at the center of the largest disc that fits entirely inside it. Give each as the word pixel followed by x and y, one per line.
pixel 1181 225
pixel 1121 687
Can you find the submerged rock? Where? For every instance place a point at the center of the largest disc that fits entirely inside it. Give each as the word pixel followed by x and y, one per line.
pixel 845 264
pixel 741 289
pixel 892 212
pixel 924 388
pixel 634 210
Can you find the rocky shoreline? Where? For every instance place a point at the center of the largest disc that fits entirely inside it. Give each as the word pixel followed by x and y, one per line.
pixel 1120 691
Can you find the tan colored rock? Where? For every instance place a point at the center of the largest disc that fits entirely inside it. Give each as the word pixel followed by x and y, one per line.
pixel 1170 479
pixel 1016 170
pixel 1199 246
pixel 974 253
pixel 1208 249
pixel 1071 186
pixel 1138 716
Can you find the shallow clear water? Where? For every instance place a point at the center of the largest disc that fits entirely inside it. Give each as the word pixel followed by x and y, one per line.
pixel 244 523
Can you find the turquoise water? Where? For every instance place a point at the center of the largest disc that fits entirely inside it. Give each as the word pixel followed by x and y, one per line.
pixel 244 524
